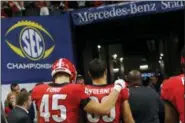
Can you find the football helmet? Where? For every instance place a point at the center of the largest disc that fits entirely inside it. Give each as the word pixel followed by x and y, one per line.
pixel 64 65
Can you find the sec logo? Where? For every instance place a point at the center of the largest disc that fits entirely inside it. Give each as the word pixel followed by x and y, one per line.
pixel 31 41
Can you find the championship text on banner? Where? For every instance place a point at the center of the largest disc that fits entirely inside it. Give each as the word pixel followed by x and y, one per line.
pixel 103 13
pixel 31 44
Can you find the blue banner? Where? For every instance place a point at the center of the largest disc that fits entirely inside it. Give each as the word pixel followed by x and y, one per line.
pixel 31 44
pixel 103 13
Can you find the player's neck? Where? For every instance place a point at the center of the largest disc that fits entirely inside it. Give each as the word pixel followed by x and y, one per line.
pixel 62 79
pixel 100 81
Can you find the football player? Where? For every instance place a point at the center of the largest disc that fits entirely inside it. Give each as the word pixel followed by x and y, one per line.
pixel 99 92
pixel 61 101
pixel 172 92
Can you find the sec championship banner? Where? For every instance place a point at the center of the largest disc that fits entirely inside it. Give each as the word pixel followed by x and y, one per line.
pixel 31 44
pixel 121 10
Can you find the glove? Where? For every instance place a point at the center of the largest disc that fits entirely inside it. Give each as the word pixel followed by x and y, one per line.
pixel 119 85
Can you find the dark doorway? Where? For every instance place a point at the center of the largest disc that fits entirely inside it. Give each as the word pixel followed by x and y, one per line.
pixel 151 43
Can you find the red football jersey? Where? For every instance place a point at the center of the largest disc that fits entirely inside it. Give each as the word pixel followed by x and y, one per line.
pixel 59 103
pixel 99 93
pixel 172 90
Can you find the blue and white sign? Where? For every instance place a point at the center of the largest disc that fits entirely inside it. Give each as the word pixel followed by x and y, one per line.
pixel 103 13
pixel 31 44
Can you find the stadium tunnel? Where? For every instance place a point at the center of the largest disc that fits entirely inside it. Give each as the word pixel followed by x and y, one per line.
pixel 151 43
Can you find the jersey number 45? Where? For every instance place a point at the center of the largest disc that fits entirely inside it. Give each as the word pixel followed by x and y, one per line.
pixel 44 108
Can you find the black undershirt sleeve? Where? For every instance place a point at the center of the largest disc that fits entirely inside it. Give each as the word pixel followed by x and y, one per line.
pixel 84 102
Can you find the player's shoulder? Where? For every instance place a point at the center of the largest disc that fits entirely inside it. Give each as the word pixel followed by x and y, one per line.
pixel 177 78
pixel 75 86
pixel 38 91
pixel 40 87
pixel 125 93
pixel 172 82
pixel 125 90
pixel 165 83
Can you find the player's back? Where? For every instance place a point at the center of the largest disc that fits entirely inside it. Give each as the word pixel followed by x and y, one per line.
pixel 58 103
pixel 99 93
pixel 173 91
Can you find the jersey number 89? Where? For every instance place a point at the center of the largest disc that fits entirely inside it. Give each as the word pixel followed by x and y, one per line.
pixel 95 118
pixel 44 108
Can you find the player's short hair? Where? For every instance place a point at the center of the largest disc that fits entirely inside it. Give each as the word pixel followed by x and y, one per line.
pixel 22 98
pixel 13 85
pixel 97 68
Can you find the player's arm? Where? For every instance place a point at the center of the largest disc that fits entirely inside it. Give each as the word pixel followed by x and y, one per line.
pixel 126 112
pixel 105 107
pixel 171 115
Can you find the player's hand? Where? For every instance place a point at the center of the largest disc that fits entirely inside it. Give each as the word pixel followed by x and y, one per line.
pixel 119 85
